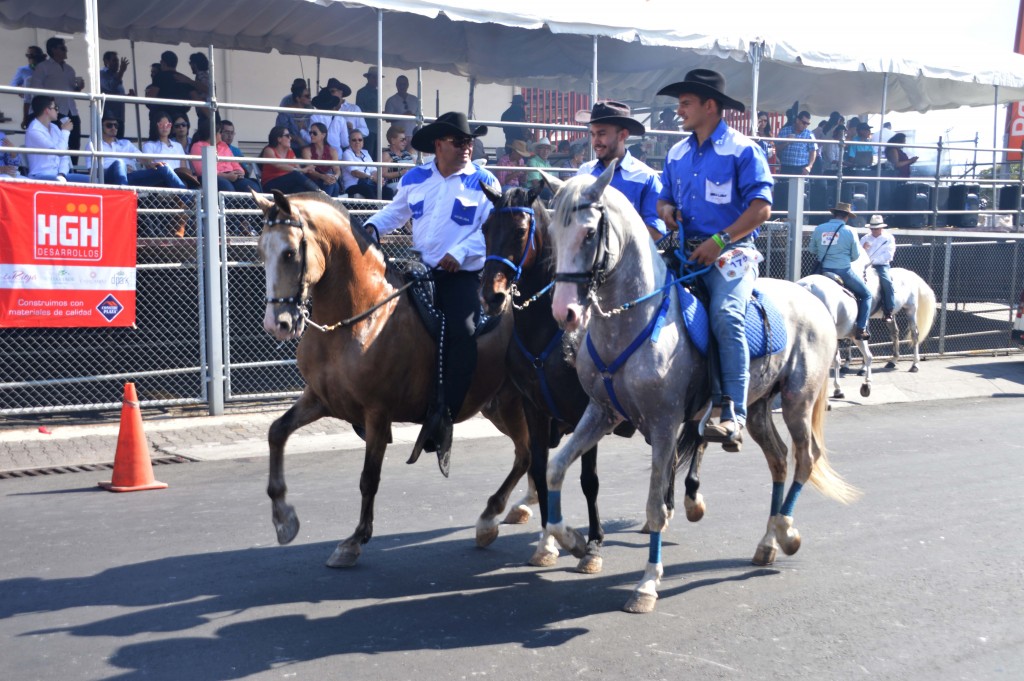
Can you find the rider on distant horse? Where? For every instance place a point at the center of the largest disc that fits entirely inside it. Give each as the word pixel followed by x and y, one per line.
pixel 448 207
pixel 610 127
pixel 835 244
pixel 718 190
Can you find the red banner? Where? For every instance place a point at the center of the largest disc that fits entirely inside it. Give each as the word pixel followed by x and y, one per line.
pixel 67 256
pixel 1014 129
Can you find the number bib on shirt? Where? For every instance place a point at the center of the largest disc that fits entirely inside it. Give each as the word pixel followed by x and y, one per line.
pixel 736 262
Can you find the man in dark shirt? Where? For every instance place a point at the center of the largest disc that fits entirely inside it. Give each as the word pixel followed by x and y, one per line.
pixel 169 84
pixel 516 113
pixel 366 100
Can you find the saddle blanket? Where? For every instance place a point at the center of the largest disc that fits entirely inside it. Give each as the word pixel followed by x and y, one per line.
pixel 762 339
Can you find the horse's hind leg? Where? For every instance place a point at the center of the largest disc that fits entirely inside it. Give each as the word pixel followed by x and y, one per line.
pixel 915 338
pixel 894 333
pixel 592 562
pixel 764 433
pixel 305 410
pixel 865 351
pixel 506 412
pixel 836 367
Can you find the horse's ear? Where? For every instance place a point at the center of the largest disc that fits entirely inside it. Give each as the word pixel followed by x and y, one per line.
pixel 532 195
pixel 552 182
pixel 281 201
pixel 262 203
pixel 541 215
pixel 493 194
pixel 594 191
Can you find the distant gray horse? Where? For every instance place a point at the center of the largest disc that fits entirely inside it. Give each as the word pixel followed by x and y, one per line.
pixel 914 295
pixel 843 307
pixel 603 250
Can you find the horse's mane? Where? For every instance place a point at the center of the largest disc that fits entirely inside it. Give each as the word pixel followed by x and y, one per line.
pixel 361 237
pixel 569 197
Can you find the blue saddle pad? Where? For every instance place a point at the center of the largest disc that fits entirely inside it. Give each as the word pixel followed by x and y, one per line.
pixel 759 341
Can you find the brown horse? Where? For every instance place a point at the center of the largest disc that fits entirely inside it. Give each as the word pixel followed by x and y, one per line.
pixel 370 360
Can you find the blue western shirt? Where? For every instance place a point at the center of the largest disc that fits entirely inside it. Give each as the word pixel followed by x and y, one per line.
pixel 714 183
pixel 638 181
pixel 835 244
pixel 446 212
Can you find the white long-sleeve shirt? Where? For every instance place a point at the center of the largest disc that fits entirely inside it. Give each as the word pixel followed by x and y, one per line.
pixel 123 146
pixel 357 122
pixel 158 147
pixel 447 213
pixel 880 249
pixel 46 166
pixel 337 129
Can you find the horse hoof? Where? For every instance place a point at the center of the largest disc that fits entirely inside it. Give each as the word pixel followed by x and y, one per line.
pixel 344 556
pixel 640 604
pixel 287 528
pixel 765 555
pixel 590 564
pixel 843 370
pixel 572 541
pixel 839 395
pixel 646 529
pixel 694 508
pixel 518 515
pixel 543 558
pixel 913 369
pixel 486 533
pixel 865 390
pixel 860 373
pixel 890 365
pixel 791 543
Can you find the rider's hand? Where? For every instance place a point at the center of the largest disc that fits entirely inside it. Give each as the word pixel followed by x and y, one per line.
pixel 669 215
pixel 448 263
pixel 707 252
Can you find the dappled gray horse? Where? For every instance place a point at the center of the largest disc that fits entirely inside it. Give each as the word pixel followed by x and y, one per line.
pixel 602 249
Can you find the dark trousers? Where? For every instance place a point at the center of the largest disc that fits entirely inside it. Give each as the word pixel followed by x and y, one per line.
pixel 291 183
pixel 75 140
pixel 458 297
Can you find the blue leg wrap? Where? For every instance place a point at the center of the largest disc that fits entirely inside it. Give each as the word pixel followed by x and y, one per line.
pixel 778 489
pixel 655 553
pixel 794 492
pixel 554 506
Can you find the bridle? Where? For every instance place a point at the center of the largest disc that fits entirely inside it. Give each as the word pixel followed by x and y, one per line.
pixel 517 269
pixel 598 272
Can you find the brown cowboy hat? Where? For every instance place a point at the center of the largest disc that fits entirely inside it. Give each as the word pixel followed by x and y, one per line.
pixel 843 207
pixel 451 123
pixel 704 83
pixel 613 113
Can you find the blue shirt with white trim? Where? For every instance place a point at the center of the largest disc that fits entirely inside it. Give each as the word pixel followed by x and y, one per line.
pixel 638 181
pixel 714 183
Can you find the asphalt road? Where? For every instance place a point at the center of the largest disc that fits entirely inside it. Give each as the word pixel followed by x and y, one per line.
pixel 920 579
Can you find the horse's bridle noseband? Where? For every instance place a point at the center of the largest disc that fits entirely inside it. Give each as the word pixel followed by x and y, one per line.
pixel 300 297
pixel 598 272
pixel 517 269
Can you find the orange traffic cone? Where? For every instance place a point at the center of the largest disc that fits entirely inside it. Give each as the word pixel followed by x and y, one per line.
pixel 133 470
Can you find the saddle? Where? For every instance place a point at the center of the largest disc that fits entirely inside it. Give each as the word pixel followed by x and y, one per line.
pixel 765 330
pixel 423 296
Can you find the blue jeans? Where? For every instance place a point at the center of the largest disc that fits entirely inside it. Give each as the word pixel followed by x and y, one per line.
pixel 859 290
pixel 885 284
pixel 161 176
pixel 332 189
pixel 727 313
pixel 70 177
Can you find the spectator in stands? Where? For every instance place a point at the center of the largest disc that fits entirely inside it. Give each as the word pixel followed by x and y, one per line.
pixel 179 129
pixel 398 152
pixel 832 154
pixel 898 158
pixel 404 104
pixel 169 84
pixel 227 135
pixel 638 152
pixel 610 126
pixel 23 78
pixel 366 100
pixel 325 177
pixel 297 123
pixel 577 154
pixel 8 162
pixel 125 171
pixel 764 129
pixel 360 180
pixel 287 178
pixel 341 91
pixel 515 113
pixel 851 128
pixel 835 118
pixel 337 129
pixel 200 66
pixel 516 156
pixel 797 158
pixel 541 151
pixel 112 83
pixel 860 154
pixel 43 133
pixel 56 74
pixel 230 175
pixel 163 143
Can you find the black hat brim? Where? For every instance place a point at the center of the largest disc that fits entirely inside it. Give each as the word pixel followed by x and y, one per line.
pixel 701 90
pixel 423 139
pixel 634 126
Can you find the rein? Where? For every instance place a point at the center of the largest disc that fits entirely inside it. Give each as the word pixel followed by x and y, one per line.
pixel 300 299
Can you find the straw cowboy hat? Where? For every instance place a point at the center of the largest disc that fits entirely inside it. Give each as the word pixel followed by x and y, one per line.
pixel 542 142
pixel 842 207
pixel 703 83
pixel 519 146
pixel 876 222
pixel 451 123
pixel 613 113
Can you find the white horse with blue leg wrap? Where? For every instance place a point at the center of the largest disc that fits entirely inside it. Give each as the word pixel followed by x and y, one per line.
pixel 601 246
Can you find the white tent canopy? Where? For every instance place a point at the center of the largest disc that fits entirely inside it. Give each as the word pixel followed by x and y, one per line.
pixel 551 45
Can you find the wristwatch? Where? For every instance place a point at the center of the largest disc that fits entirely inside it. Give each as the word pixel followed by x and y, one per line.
pixel 724 236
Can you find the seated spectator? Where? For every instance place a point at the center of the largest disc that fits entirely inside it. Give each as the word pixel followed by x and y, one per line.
pixel 337 129
pixel 360 180
pixel 541 151
pixel 516 156
pixel 638 151
pixel 179 129
pixel 43 133
pixel 297 124
pixel 122 171
pixel 577 154
pixel 898 158
pixel 285 177
pixel 860 154
pixel 230 175
pixel 397 150
pixel 162 143
pixel 8 162
pixel 325 177
pixel 227 135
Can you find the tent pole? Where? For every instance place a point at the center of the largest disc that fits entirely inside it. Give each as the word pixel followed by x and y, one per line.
pixel 211 96
pixel 380 101
pixel 318 74
pixel 756 51
pixel 995 136
pixel 92 38
pixel 593 78
pixel 135 78
pixel 881 150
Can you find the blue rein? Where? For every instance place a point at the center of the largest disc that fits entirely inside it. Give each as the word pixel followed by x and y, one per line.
pixel 538 362
pixel 517 269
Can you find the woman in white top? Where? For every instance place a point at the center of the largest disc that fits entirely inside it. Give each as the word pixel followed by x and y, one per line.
pixel 162 142
pixel 358 180
pixel 43 133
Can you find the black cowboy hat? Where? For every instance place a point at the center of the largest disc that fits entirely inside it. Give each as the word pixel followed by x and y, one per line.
pixel 703 83
pixel 335 84
pixel 451 123
pixel 613 113
pixel 325 101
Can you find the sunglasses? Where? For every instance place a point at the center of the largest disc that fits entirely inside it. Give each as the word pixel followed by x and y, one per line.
pixel 112 124
pixel 181 125
pixel 459 142
pixel 353 140
pixel 805 122
pixel 283 134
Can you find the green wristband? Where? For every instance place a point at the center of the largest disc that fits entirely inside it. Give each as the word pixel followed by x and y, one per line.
pixel 718 240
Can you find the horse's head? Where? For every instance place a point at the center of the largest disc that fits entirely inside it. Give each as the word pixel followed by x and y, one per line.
pixel 292 262
pixel 581 237
pixel 513 245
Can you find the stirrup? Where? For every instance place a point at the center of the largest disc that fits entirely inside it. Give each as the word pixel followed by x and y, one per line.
pixel 435 436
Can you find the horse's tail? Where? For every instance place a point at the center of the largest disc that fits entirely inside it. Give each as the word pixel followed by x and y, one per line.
pixel 823 476
pixel 925 309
